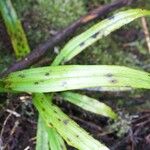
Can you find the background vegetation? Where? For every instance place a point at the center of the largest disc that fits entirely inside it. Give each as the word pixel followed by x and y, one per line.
pixel 127 46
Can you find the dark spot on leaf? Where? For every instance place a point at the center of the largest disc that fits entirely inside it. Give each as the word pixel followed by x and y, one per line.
pixel 50 124
pixel 47 74
pixel 59 119
pixel 114 81
pixel 66 121
pixel 68 140
pixel 127 86
pixel 95 35
pixel 43 109
pixel 109 75
pixel 55 111
pixel 36 83
pixel 64 83
pixel 111 17
pixel 41 100
pixel 21 75
pixel 77 136
pixel 82 44
pixel 7 85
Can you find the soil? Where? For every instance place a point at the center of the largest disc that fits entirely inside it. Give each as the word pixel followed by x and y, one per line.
pixel 19 130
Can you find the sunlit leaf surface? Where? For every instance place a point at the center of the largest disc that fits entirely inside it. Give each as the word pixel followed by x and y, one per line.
pixel 62 78
pixel 89 104
pixel 96 32
pixel 66 127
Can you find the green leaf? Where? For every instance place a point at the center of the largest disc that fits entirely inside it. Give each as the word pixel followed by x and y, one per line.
pixel 42 136
pixel 96 32
pixel 21 48
pixel 89 104
pixel 2 88
pixel 48 138
pixel 62 78
pixel 14 28
pixel 67 128
pixel 55 140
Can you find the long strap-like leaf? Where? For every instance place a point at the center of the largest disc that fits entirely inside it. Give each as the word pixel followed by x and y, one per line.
pixel 89 104
pixel 62 78
pixel 71 132
pixel 96 32
pixel 14 28
pixel 47 138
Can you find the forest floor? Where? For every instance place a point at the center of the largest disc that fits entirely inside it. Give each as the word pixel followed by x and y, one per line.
pixel 127 47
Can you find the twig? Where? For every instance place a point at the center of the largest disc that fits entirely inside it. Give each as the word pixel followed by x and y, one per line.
pixel 13 113
pixel 146 32
pixel 4 124
pixel 14 128
pixel 41 50
pixel 27 148
pixel 120 144
pixel 87 123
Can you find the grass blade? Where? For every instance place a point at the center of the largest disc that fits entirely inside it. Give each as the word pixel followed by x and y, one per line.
pixel 55 140
pixel 68 129
pixel 89 104
pixel 14 28
pixel 42 136
pixel 62 78
pixel 48 138
pixel 105 27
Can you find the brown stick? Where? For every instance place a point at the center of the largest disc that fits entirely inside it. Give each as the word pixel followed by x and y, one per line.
pixel 40 51
pixel 146 32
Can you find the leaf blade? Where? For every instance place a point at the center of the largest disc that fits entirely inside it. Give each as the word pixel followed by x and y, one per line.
pixel 14 29
pixel 96 32
pixel 75 136
pixel 42 136
pixel 76 77
pixel 55 140
pixel 89 104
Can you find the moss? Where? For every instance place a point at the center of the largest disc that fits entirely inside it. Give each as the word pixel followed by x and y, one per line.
pixel 62 12
pixel 111 50
pixel 97 2
pixel 40 17
pixel 106 51
pixel 94 3
pixel 122 125
pixel 5 58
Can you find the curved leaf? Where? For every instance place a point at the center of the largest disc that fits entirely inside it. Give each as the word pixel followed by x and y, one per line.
pixel 55 140
pixel 66 127
pixel 62 78
pixel 42 136
pixel 96 32
pixel 89 104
